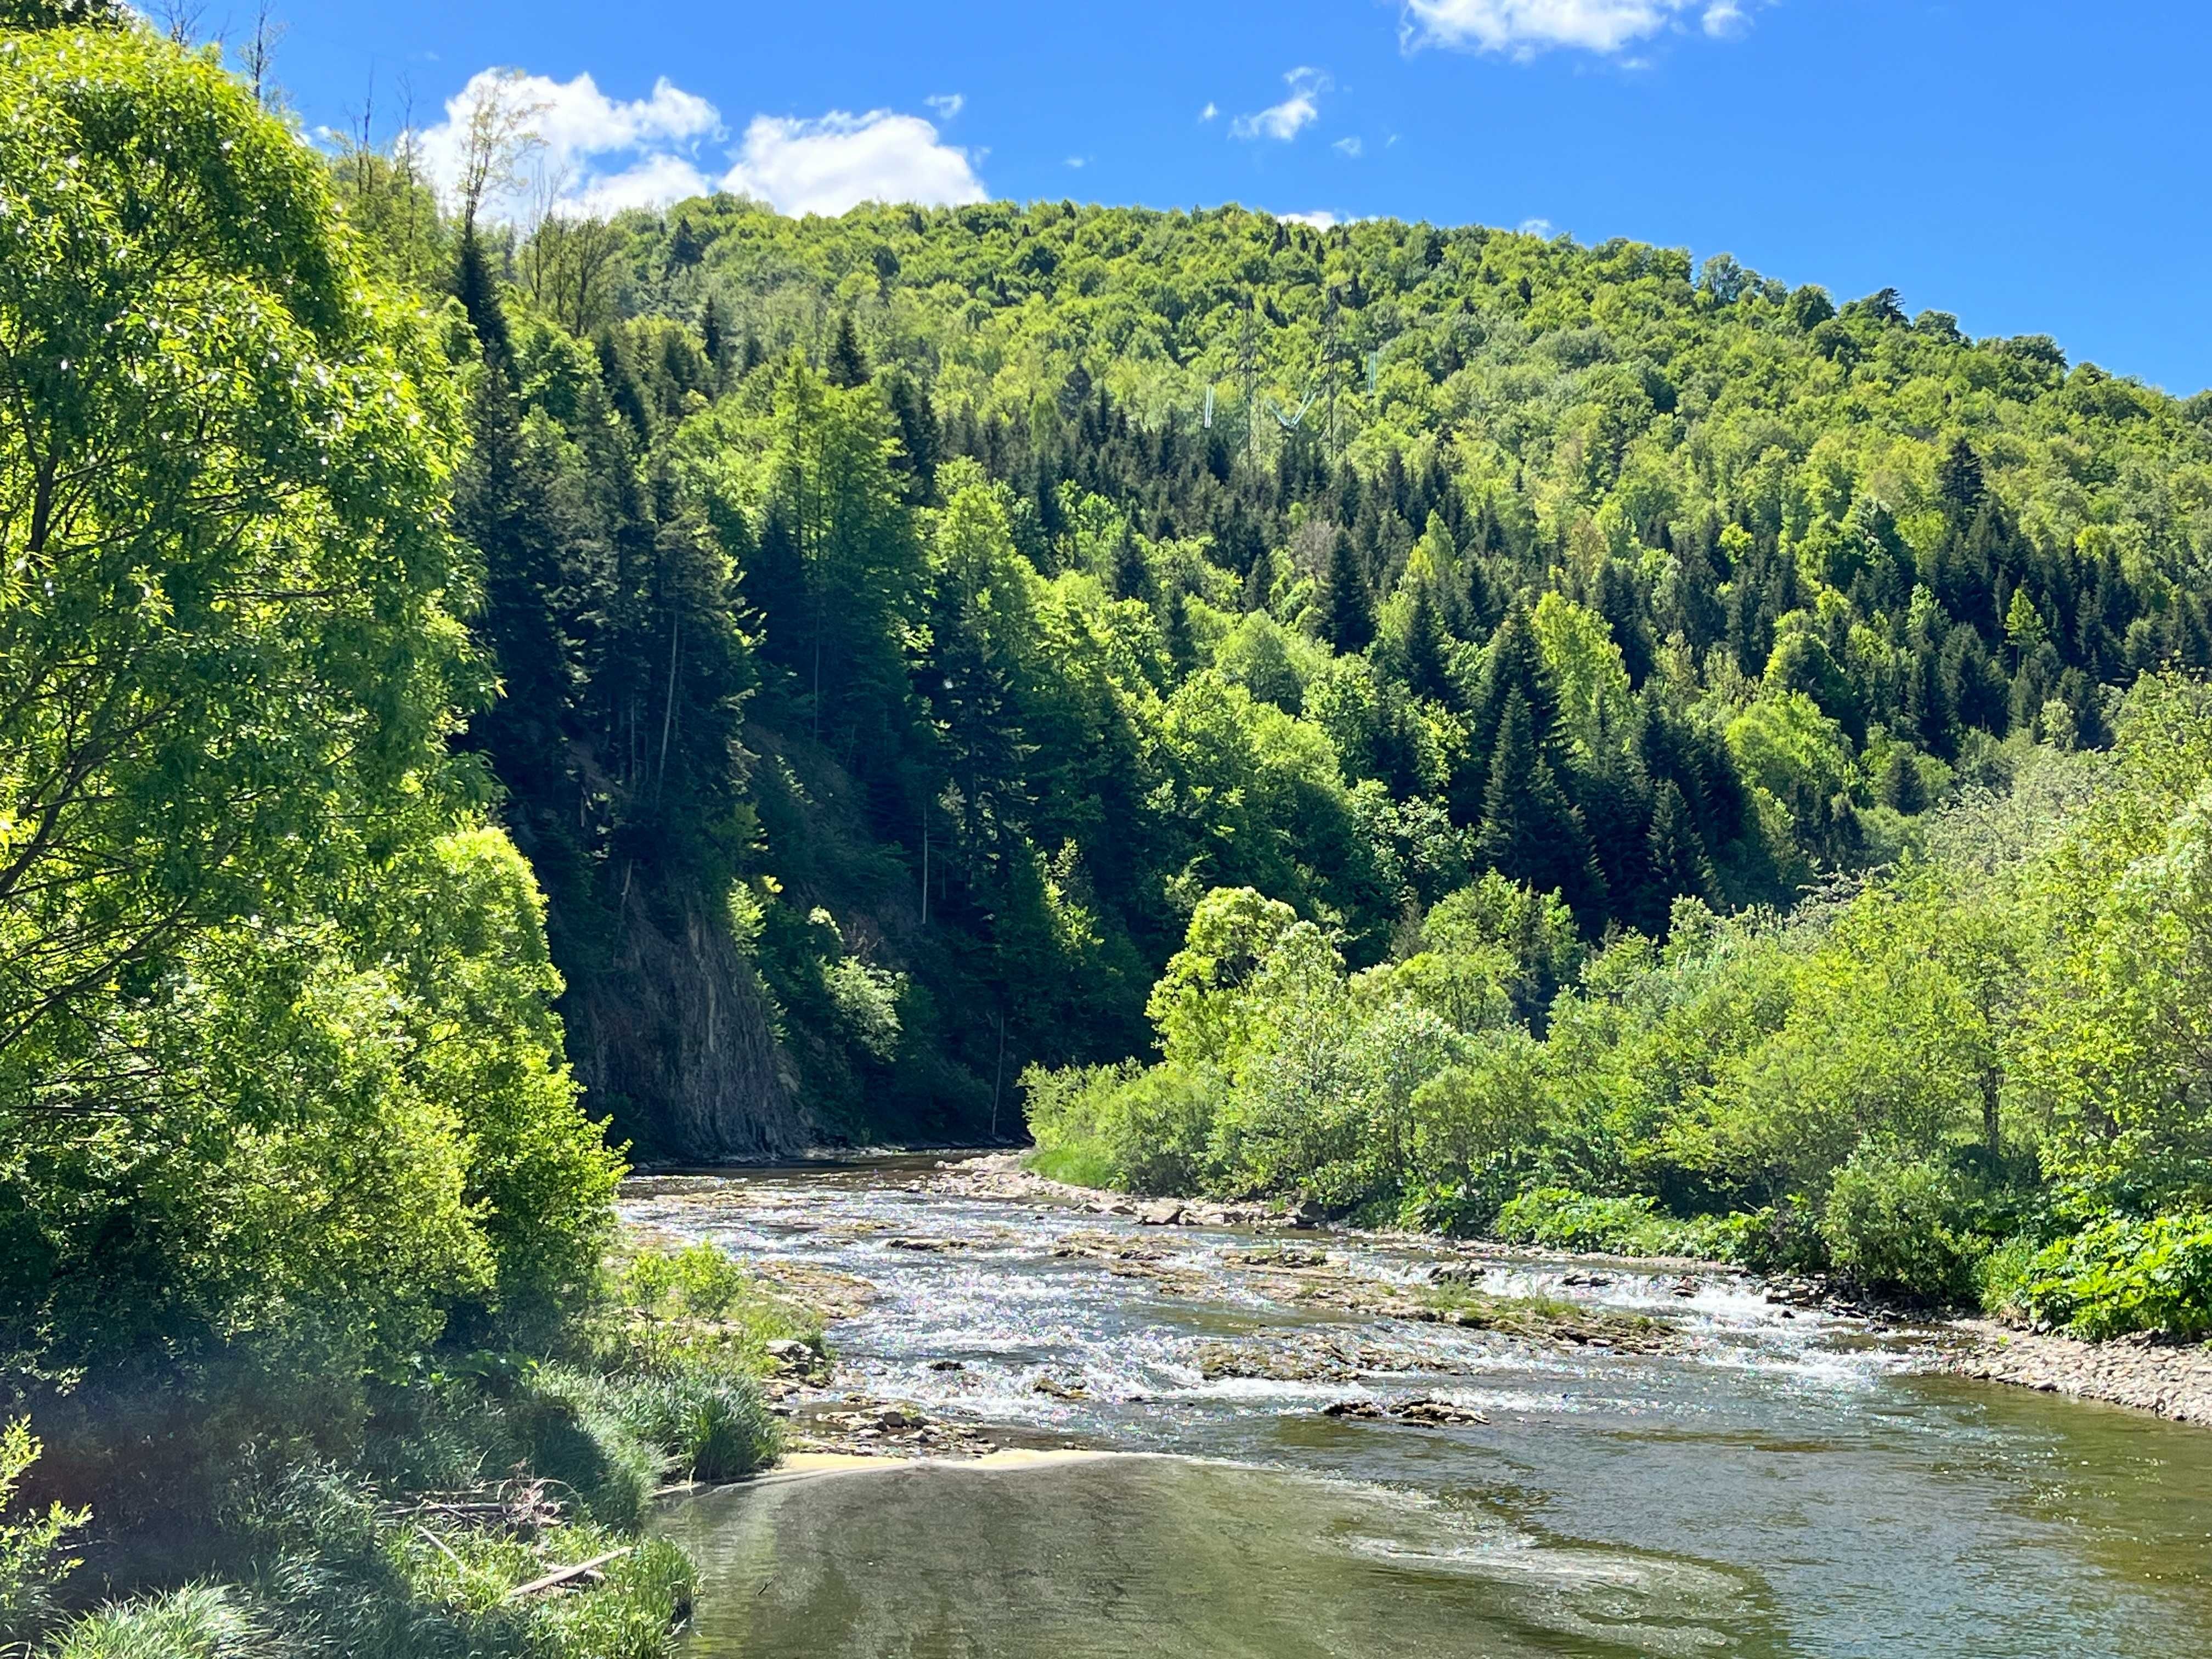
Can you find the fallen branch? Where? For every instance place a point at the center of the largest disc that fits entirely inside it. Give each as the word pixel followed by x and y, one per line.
pixel 459 1565
pixel 566 1575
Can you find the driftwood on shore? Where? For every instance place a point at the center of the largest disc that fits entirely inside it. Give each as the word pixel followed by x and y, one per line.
pixel 567 1574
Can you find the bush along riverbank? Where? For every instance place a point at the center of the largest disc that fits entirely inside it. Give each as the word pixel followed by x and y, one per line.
pixel 489 1501
pixel 1973 1080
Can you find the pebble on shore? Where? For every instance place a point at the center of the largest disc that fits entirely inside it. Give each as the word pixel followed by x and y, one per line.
pixel 2173 1380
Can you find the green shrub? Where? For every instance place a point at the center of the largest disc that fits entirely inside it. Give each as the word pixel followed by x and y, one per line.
pixel 674 1311
pixel 2004 1273
pixel 1891 1223
pixel 31 1559
pixel 2126 1275
pixel 1783 1238
pixel 1123 1127
pixel 1560 1218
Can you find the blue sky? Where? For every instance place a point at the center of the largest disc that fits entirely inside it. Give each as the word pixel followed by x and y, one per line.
pixel 2032 166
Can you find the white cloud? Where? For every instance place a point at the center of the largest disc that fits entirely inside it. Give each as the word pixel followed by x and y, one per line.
pixel 578 128
pixel 1285 120
pixel 1525 28
pixel 1320 219
pixel 1078 161
pixel 1348 146
pixel 947 104
pixel 1543 228
pixel 597 154
pixel 1725 19
pixel 837 162
pixel 654 182
pixel 1211 110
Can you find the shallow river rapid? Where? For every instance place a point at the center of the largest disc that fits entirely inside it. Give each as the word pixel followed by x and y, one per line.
pixel 1774 1485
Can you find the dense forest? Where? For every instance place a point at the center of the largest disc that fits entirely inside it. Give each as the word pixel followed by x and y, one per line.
pixel 906 619
pixel 1444 725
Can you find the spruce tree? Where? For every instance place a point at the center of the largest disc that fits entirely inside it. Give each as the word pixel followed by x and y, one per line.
pixel 711 340
pixel 1530 832
pixel 1680 866
pixel 1424 648
pixel 919 440
pixel 1183 647
pixel 477 291
pixel 1959 481
pixel 1901 785
pixel 849 364
pixel 1132 576
pixel 1513 665
pixel 1347 608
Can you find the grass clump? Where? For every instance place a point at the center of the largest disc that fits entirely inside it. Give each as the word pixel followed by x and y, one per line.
pixel 438 1493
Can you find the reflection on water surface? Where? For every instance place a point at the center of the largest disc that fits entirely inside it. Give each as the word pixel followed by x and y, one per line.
pixel 1778 1485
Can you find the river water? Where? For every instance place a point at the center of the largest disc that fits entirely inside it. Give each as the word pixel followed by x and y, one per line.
pixel 1778 1484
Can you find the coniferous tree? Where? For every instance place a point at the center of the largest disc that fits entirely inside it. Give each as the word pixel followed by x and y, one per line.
pixel 1347 608
pixel 1959 481
pixel 710 339
pixel 1513 666
pixel 477 291
pixel 1681 868
pixel 1182 646
pixel 849 364
pixel 1902 787
pixel 1132 576
pixel 919 440
pixel 1530 832
pixel 1424 648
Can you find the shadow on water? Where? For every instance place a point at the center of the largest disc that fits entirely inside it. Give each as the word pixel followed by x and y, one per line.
pixel 1138 1556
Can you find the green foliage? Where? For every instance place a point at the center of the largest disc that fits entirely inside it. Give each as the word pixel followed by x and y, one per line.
pixel 202 1621
pixel 1891 1223
pixel 670 1310
pixel 1145 1131
pixel 1916 1081
pixel 957 624
pixel 2122 1275
pixel 31 1562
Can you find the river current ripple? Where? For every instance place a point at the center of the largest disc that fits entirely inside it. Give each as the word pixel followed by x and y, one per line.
pixel 1781 1482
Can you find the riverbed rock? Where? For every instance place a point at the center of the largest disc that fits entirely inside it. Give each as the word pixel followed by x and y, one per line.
pixel 1058 1387
pixel 1422 1412
pixel 1106 1247
pixel 792 1358
pixel 1167 1214
pixel 925 1246
pixel 1435 1413
pixel 823 1291
pixel 1359 1408
pixel 1307 1357
pixel 1279 1255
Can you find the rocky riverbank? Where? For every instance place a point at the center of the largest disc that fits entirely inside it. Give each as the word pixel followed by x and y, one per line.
pixel 2173 1380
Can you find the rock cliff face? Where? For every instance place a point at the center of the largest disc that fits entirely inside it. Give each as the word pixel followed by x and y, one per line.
pixel 674 1039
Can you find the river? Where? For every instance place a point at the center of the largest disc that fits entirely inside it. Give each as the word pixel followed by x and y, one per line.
pixel 1772 1482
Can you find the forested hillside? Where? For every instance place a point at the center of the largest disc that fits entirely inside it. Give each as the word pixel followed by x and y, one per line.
pixel 906 619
